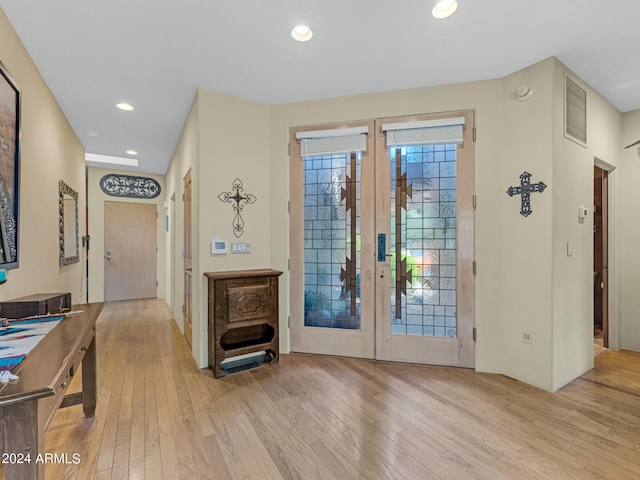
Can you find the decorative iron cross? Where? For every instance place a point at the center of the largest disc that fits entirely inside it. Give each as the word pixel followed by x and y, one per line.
pixel 525 189
pixel 240 202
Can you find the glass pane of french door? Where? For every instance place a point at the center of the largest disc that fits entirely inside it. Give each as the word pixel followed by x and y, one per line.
pixel 423 226
pixel 332 241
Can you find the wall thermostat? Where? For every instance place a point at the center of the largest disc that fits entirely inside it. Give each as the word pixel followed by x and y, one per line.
pixel 219 246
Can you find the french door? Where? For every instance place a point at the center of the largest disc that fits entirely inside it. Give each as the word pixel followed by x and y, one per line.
pixel 382 239
pixel 333 241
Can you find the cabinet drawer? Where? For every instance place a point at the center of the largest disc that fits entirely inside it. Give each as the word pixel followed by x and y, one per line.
pixel 86 341
pixel 47 406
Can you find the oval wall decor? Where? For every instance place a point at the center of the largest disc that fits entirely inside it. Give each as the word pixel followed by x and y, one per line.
pixel 129 186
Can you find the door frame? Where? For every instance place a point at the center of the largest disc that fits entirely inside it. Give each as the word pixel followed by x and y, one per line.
pixel 172 250
pixel 458 351
pixel 610 307
pixel 187 272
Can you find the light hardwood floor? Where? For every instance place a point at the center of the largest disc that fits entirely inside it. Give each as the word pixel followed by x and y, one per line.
pixel 316 417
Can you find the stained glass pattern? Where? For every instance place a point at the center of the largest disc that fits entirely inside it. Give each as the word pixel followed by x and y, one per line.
pixel 329 270
pixel 426 230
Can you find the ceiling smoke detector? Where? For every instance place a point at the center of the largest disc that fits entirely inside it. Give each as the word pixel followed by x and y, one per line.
pixel 524 93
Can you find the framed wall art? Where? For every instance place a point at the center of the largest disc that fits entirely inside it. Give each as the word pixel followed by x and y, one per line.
pixel 9 169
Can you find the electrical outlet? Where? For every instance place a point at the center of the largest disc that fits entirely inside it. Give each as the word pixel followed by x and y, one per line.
pixel 527 337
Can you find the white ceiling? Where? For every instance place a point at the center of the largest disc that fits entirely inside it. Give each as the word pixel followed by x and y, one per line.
pixel 154 54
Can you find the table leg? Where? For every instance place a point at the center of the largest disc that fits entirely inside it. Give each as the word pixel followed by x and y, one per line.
pixel 89 380
pixel 22 441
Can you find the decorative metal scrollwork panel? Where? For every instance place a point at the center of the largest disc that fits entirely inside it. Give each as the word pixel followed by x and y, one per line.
pixel 129 186
pixel 240 202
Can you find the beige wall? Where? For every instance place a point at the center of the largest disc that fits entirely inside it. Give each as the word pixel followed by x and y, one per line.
pixel 234 143
pixel 483 97
pixel 573 188
pixel 50 152
pixel 628 233
pixel 185 160
pixel 525 248
pixel 96 200
pixel 224 138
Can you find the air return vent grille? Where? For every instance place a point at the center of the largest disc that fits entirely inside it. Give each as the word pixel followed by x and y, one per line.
pixel 575 112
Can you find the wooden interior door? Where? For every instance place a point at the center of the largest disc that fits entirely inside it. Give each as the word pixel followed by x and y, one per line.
pixel 600 256
pixel 130 240
pixel 188 330
pixel 605 257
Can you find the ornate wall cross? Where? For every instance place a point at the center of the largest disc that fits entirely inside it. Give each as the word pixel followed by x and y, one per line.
pixel 525 189
pixel 240 202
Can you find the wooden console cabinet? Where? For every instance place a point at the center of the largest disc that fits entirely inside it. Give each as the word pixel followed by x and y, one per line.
pixel 243 315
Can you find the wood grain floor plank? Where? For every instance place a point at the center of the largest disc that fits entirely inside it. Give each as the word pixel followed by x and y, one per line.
pixel 166 441
pixel 153 466
pixel 121 457
pixel 219 469
pixel 278 433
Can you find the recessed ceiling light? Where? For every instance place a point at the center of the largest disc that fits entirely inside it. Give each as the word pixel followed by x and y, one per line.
pixel 124 106
pixel 444 8
pixel 131 152
pixel 302 33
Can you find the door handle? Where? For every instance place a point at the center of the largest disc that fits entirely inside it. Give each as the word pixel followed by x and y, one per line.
pixel 107 255
pixel 382 247
pixel 188 269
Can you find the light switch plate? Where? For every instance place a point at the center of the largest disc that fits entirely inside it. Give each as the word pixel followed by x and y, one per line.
pixel 240 248
pixel 583 212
